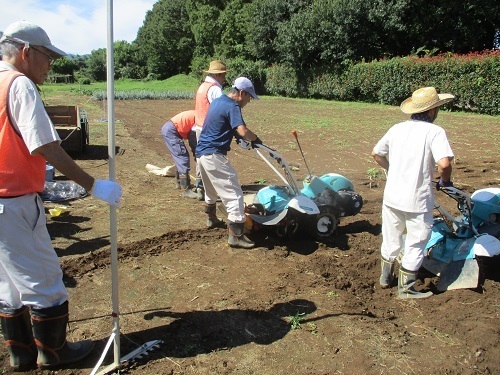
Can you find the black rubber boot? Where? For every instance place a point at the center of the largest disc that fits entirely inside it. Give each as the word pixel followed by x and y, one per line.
pixel 177 183
pixel 406 281
pixel 236 236
pixel 18 336
pixel 200 191
pixel 186 186
pixel 49 328
pixel 212 220
pixel 386 273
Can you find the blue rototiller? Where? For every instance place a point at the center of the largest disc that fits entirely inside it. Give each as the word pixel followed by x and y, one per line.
pixel 316 208
pixel 456 242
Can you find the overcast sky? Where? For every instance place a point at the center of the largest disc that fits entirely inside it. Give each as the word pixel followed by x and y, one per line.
pixel 78 26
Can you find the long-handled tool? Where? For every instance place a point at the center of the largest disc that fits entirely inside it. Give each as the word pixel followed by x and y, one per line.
pixel 134 355
pixel 294 132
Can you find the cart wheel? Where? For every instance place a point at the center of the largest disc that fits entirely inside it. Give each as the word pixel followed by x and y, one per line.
pixel 324 224
pixel 287 231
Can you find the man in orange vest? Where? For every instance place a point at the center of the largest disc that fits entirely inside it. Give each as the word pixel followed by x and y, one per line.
pixel 209 90
pixel 30 273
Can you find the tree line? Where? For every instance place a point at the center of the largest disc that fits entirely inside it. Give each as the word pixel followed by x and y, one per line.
pixel 309 36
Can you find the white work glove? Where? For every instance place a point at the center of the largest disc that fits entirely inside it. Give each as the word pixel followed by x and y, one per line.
pixel 108 191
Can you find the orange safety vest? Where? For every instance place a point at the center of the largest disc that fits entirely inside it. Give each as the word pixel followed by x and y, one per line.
pixel 20 172
pixel 202 103
pixel 184 122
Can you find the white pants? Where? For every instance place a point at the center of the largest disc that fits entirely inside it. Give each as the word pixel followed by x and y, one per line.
pixel 220 178
pixel 30 273
pixel 418 227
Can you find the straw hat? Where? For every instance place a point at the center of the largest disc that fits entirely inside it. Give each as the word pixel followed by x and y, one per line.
pixel 216 66
pixel 424 99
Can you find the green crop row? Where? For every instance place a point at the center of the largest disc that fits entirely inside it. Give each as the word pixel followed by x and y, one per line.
pixel 177 87
pixel 140 94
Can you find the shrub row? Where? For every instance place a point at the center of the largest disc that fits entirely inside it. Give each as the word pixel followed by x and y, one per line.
pixel 474 79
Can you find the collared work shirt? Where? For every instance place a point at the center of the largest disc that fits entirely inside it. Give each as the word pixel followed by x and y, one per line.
pixel 412 148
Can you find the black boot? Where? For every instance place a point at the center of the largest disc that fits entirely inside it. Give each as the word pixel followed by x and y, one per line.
pixel 18 336
pixel 236 236
pixel 177 183
pixel 200 191
pixel 212 220
pixel 49 328
pixel 406 280
pixel 386 273
pixel 186 186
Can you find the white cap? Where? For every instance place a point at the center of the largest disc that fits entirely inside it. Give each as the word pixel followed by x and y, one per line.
pixel 243 83
pixel 26 32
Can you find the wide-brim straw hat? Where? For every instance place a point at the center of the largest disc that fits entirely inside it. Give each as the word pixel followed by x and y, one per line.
pixel 216 66
pixel 424 99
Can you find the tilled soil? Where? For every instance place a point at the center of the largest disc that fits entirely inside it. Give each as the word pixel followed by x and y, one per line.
pixel 285 307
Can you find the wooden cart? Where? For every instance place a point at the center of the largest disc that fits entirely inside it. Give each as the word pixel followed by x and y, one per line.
pixel 72 125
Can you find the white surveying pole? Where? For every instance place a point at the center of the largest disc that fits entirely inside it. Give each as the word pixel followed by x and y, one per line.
pixel 115 336
pixel 111 162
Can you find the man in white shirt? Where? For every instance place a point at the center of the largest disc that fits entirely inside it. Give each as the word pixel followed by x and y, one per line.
pixel 409 152
pixel 31 285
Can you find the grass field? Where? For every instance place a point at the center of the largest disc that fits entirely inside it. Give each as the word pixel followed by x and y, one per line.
pixel 326 119
pixel 179 85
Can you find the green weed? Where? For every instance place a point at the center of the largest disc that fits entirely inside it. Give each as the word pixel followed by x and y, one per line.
pixel 220 303
pixel 295 320
pixel 375 175
pixel 342 145
pixel 444 337
pixel 311 327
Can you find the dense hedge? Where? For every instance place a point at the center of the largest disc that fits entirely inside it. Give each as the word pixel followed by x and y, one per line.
pixel 474 79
